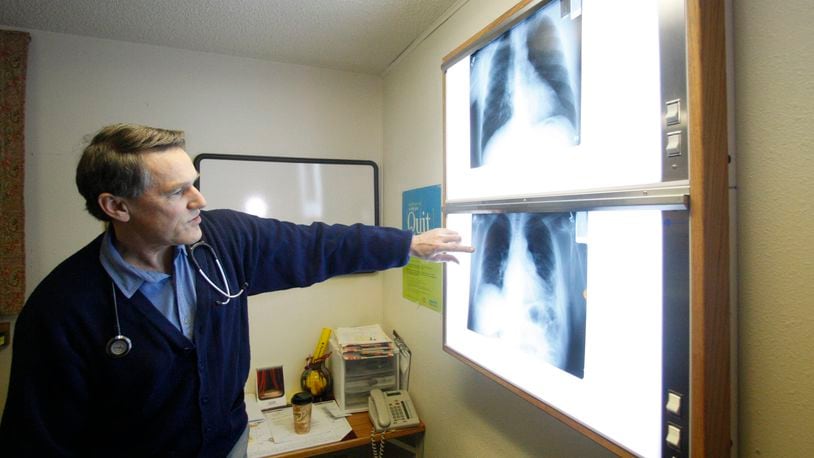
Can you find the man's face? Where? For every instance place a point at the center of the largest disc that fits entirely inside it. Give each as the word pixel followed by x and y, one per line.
pixel 168 212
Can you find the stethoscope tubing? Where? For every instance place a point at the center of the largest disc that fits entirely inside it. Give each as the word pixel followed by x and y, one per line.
pixel 120 345
pixel 228 293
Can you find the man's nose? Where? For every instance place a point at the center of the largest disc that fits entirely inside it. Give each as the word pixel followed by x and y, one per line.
pixel 198 199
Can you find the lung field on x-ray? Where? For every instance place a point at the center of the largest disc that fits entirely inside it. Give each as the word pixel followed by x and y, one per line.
pixel 524 90
pixel 528 286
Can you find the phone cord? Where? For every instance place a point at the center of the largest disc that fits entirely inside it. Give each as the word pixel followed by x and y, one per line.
pixel 377 448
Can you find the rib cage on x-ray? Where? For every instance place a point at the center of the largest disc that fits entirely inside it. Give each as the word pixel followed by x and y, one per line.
pixel 528 286
pixel 524 89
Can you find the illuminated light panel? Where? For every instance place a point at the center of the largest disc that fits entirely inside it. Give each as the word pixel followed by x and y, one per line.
pixel 619 394
pixel 620 130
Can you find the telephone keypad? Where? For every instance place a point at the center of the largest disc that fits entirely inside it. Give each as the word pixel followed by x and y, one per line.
pixel 397 413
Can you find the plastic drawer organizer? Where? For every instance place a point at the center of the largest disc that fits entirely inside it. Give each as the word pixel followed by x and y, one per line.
pixel 354 378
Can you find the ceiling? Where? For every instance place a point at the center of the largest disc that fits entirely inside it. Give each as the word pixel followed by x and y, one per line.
pixel 354 35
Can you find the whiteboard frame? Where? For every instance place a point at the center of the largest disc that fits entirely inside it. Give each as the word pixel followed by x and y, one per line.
pixel 296 160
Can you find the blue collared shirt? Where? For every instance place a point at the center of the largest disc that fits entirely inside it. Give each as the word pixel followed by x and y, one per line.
pixel 173 295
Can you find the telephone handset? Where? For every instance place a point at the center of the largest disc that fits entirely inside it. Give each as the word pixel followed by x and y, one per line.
pixel 391 410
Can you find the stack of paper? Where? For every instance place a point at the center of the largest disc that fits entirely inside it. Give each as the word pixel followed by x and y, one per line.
pixel 363 342
pixel 275 433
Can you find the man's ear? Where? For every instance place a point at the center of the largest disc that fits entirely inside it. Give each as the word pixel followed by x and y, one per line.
pixel 115 207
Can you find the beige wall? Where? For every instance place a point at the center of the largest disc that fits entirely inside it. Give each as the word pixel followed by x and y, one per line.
pixel 774 98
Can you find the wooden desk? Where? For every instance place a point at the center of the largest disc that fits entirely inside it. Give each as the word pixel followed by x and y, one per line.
pixel 360 436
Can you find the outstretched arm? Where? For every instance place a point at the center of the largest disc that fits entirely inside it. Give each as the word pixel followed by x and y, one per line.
pixel 435 245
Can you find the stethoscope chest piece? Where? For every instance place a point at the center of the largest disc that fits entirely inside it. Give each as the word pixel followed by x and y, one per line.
pixel 119 346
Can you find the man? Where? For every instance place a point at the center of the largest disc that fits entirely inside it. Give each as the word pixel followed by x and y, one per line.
pixel 126 348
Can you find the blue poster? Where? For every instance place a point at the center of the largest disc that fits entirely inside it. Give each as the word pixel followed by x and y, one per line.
pixel 422 281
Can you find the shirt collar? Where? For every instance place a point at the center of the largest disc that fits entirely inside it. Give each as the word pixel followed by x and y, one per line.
pixel 127 277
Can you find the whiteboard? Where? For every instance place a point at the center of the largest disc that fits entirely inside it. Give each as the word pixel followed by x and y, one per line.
pixel 300 190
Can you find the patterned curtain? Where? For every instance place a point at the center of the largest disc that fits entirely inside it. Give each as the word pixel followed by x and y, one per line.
pixel 13 60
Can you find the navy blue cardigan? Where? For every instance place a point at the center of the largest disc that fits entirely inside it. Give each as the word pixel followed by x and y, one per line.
pixel 168 396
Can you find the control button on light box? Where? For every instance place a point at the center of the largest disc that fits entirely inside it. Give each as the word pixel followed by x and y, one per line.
pixel 673 147
pixel 673 115
pixel 673 403
pixel 673 436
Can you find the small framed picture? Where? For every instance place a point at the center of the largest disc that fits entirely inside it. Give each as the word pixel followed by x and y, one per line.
pixel 270 387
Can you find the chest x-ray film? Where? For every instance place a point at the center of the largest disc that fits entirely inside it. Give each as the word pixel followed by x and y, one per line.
pixel 564 99
pixel 568 308
pixel 526 84
pixel 528 285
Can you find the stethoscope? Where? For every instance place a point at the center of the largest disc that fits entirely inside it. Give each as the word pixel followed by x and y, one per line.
pixel 120 345
pixel 228 293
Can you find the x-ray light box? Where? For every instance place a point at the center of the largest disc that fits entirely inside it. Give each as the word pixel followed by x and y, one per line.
pixel 561 119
